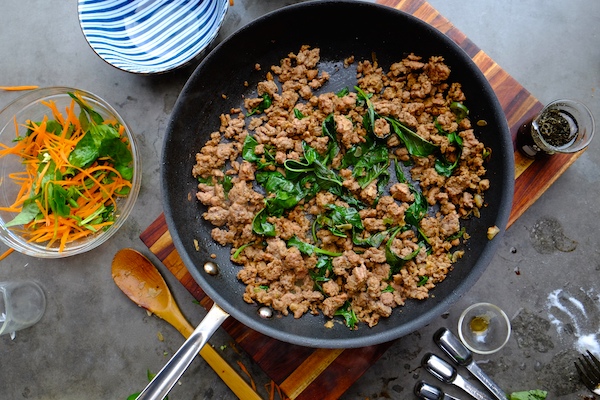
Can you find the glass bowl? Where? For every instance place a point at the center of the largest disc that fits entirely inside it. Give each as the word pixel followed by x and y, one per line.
pixel 575 122
pixel 484 328
pixel 13 119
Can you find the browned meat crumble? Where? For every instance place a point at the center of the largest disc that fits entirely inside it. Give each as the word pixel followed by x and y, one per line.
pixel 360 280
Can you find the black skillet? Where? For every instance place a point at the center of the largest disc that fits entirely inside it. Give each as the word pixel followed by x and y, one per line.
pixel 228 74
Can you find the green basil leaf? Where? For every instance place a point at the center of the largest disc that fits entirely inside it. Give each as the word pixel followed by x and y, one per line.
pixel 248 149
pixel 95 116
pixel 415 144
pixel 395 261
pixel 28 213
pixel 342 92
pixel 116 150
pixel 207 181
pixel 261 226
pixel 326 178
pixel 286 193
pixel 389 289
pixel 298 114
pixel 375 240
pixel 98 141
pixel 125 171
pixel 309 249
pixel 422 280
pixel 459 110
pixel 345 216
pixel 85 152
pixel 322 272
pixel 417 210
pixel 57 199
pixel 348 314
pixel 399 172
pixel 310 154
pixel 347 198
pixel 240 249
pixel 442 166
pixel 227 184
pixel 329 129
pixel 264 104
pixel 249 154
pixel 370 116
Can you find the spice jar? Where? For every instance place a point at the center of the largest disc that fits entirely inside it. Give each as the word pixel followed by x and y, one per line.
pixel 563 126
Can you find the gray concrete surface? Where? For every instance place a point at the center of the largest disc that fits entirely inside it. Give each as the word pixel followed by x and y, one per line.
pixel 93 343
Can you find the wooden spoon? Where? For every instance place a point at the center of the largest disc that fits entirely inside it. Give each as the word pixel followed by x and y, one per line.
pixel 139 279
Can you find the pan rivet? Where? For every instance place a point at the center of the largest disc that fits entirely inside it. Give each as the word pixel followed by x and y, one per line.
pixel 265 312
pixel 211 268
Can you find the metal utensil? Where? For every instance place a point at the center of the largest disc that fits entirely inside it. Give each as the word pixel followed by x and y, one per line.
pixel 589 371
pixel 424 390
pixel 139 279
pixel 462 356
pixel 167 377
pixel 448 374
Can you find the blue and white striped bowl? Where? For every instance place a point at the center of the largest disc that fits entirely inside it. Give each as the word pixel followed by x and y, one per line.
pixel 150 36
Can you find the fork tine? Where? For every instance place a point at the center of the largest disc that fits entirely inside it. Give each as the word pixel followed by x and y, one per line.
pixel 595 360
pixel 583 376
pixel 589 371
pixel 593 367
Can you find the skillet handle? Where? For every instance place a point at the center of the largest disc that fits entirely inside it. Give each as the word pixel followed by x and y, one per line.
pixel 168 376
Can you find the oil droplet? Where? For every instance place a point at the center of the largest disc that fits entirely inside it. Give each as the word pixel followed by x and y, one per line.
pixel 480 323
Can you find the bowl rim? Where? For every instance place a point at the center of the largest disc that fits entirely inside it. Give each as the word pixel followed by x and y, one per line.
pixel 35 96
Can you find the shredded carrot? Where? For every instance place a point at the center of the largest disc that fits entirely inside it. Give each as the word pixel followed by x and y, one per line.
pixel 243 367
pixel 44 154
pixel 273 389
pixel 17 88
pixel 6 254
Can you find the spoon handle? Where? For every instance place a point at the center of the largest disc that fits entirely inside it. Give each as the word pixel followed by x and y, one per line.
pixel 168 376
pixel 470 389
pixel 477 372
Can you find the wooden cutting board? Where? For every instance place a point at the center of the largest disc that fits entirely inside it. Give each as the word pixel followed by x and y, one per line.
pixel 306 373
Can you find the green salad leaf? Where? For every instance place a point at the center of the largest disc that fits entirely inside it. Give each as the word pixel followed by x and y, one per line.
pixel 528 395
pixel 101 142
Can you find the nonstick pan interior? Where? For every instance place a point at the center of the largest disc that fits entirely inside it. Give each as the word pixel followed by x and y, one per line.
pixel 228 74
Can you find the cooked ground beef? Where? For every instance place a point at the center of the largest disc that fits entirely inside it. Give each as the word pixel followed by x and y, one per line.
pixel 344 271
